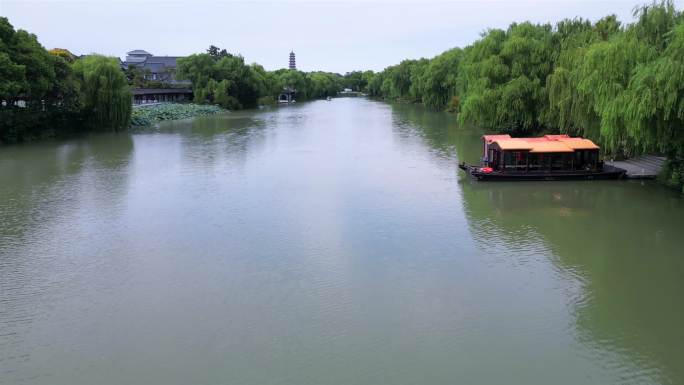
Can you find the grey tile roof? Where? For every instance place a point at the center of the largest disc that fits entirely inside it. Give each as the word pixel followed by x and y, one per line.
pixel 135 59
pixel 153 63
pixel 139 52
pixel 166 61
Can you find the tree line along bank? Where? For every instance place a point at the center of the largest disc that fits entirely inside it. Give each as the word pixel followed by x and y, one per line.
pixel 619 84
pixel 47 93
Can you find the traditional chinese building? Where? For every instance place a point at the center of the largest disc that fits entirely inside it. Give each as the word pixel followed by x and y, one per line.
pixel 161 69
pixel 293 64
pixel 156 68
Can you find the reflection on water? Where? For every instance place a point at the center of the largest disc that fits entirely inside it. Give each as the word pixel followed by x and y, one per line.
pixel 54 198
pixel 327 242
pixel 622 242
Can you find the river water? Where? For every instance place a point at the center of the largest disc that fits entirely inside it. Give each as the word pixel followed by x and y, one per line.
pixel 327 243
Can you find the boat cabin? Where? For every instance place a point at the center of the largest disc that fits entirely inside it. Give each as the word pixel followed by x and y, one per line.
pixel 548 153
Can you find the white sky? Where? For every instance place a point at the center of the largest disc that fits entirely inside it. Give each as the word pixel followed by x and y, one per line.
pixel 337 36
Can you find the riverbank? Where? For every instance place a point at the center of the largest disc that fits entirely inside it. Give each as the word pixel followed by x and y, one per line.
pixel 146 115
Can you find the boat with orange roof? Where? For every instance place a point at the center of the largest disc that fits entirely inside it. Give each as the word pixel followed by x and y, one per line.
pixel 549 157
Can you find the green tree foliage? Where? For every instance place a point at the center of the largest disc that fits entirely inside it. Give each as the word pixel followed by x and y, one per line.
pixel 357 80
pixel 323 84
pixel 64 54
pixel 439 81
pixel 353 80
pixel 620 85
pixel 624 86
pixel 38 93
pixel 375 84
pixel 366 78
pixel 504 78
pixel 310 85
pixel 65 92
pixel 106 96
pixel 137 77
pixel 219 77
pixel 217 53
pixel 403 81
pixel 26 68
pixel 44 93
pixel 223 79
pixel 294 79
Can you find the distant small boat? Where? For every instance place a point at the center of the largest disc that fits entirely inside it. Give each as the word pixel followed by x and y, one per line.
pixel 551 157
pixel 328 98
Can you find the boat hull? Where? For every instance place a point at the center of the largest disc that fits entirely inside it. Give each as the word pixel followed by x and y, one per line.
pixel 608 172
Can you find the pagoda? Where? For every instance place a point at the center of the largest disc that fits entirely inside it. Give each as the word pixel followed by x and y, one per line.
pixel 293 65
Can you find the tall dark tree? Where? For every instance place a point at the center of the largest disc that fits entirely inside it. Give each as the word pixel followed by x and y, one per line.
pixel 217 53
pixel 38 92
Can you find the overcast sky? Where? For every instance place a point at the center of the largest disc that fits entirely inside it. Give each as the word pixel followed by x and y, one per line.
pixel 325 35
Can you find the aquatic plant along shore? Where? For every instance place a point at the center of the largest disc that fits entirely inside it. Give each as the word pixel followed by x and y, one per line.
pixel 148 115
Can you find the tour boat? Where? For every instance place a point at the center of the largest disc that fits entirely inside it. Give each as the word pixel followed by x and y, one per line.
pixel 550 157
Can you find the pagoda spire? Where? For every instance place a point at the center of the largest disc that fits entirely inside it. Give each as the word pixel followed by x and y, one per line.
pixel 293 64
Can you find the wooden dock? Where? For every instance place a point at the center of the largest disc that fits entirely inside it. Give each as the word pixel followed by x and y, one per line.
pixel 641 167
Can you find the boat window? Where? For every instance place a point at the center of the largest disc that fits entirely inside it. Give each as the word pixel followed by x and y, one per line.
pixel 579 160
pixel 592 158
pixel 556 161
pixel 515 160
pixel 508 160
pixel 534 161
pixel 567 161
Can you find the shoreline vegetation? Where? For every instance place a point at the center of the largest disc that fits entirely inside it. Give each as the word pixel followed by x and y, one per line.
pixel 147 115
pixel 223 79
pixel 50 93
pixel 619 84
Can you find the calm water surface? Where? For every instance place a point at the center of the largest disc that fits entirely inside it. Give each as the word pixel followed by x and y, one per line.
pixel 327 243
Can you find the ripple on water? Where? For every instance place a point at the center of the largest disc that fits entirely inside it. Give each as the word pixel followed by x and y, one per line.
pixel 329 242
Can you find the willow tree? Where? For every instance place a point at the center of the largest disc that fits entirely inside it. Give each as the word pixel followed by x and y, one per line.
pixel 621 85
pixel 354 80
pixel 586 89
pixel 405 80
pixel 571 111
pixel 504 78
pixel 326 84
pixel 105 93
pixel 654 99
pixel 375 84
pixel 617 85
pixel 439 80
pixel 297 80
pixel 624 87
